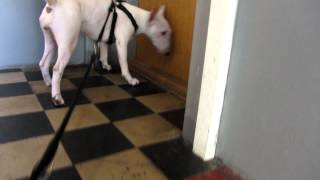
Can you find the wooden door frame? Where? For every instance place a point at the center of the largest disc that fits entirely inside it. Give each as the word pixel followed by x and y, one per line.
pixel 212 43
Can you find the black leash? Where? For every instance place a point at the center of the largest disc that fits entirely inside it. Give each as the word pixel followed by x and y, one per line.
pixel 41 167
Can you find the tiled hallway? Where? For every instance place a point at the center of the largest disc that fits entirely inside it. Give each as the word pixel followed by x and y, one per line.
pixel 116 132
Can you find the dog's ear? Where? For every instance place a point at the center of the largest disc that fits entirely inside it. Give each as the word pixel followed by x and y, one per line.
pixel 51 2
pixel 153 15
pixel 162 10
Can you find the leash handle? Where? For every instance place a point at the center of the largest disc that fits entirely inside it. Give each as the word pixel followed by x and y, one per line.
pixel 41 167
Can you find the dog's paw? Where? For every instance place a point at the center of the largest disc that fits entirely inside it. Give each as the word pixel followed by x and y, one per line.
pixel 58 101
pixel 47 79
pixel 133 81
pixel 47 83
pixel 107 67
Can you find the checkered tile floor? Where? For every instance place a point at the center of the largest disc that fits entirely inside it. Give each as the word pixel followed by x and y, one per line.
pixel 116 132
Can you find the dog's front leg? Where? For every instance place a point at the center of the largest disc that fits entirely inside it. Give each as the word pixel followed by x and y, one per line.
pixel 122 48
pixel 104 56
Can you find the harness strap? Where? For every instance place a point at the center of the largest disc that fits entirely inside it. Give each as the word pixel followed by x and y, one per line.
pixel 112 8
pixel 112 37
pixel 133 21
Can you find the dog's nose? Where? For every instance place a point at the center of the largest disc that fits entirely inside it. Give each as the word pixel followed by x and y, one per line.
pixel 167 53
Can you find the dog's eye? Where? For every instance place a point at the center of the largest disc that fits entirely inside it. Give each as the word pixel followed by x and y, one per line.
pixel 163 33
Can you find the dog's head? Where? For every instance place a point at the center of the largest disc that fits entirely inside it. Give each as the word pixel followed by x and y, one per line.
pixel 159 31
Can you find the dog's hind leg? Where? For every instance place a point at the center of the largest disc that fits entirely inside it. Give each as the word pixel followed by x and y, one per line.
pixel 66 35
pixel 49 45
pixel 49 48
pixel 64 54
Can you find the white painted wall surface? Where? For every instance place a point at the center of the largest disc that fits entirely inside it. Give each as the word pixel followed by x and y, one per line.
pixel 21 40
pixel 270 127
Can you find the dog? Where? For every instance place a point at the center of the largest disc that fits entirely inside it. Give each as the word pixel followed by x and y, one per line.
pixel 62 21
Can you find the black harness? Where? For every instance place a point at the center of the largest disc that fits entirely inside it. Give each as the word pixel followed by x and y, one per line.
pixel 113 9
pixel 41 168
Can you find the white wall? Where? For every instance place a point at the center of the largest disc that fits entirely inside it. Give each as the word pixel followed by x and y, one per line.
pixel 21 41
pixel 270 127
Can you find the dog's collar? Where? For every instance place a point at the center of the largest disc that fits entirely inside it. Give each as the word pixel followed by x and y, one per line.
pixel 116 4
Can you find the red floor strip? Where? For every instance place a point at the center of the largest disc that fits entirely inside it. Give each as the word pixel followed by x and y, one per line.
pixel 222 173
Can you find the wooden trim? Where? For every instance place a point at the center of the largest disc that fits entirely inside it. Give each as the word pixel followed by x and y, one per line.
pixel 173 85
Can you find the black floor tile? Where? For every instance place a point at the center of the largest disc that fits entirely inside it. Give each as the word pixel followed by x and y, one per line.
pixel 9 70
pixel 24 126
pixel 69 173
pixel 142 89
pixel 93 81
pixel 176 117
pixel 33 75
pixel 176 160
pixel 45 99
pixel 15 89
pixel 72 70
pixel 115 68
pixel 94 142
pixel 123 109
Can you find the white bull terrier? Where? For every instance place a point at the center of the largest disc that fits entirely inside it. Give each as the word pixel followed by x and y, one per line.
pixel 62 21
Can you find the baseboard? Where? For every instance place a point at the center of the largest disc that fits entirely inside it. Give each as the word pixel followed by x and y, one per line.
pixel 173 85
pixel 31 67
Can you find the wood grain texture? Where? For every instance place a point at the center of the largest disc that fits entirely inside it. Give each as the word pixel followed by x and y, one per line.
pixel 173 68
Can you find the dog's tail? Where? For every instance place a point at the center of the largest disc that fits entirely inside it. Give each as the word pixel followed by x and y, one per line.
pixel 51 2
